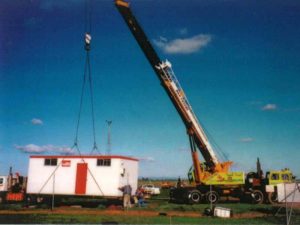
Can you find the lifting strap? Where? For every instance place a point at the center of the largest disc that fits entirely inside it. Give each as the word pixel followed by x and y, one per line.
pixel 87 75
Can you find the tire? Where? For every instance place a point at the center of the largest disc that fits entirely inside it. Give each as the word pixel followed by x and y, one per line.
pixel 40 200
pixel 257 197
pixel 212 197
pixel 246 198
pixel 194 197
pixel 31 200
pixel 272 198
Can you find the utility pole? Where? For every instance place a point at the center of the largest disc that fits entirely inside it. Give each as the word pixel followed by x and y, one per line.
pixel 109 122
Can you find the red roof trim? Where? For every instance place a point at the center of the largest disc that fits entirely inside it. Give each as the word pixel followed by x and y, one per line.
pixel 83 156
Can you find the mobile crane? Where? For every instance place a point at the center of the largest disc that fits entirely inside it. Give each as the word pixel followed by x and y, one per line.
pixel 211 178
pixel 212 172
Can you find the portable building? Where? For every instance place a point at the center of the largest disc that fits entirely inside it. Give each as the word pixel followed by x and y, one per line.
pixel 288 192
pixel 94 175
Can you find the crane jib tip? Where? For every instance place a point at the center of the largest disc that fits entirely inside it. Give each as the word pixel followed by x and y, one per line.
pixel 122 3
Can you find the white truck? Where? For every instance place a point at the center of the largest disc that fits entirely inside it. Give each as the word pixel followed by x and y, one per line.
pixel 150 189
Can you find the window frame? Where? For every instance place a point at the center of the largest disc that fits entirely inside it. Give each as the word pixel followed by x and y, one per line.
pixel 285 177
pixel 50 161
pixel 104 162
pixel 275 176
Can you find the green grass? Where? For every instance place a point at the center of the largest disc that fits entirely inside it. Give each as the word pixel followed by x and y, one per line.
pixel 101 219
pixel 164 193
pixel 17 206
pixel 160 205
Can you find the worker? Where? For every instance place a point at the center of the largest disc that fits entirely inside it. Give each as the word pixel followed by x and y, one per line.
pixel 140 197
pixel 179 183
pixel 126 189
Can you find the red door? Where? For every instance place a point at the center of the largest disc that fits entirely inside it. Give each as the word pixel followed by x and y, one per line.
pixel 81 174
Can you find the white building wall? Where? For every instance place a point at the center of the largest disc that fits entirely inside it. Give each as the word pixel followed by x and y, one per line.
pixel 64 178
pixel 131 174
pixel 3 183
pixel 101 180
pixel 39 177
pixel 106 177
pixel 288 192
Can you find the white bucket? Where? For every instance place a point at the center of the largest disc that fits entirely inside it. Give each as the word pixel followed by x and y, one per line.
pixel 222 212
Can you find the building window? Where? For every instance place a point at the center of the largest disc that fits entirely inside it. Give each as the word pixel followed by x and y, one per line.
pixel 103 162
pixel 1 180
pixel 50 162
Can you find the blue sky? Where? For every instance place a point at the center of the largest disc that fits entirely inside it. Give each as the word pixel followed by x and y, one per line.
pixel 238 62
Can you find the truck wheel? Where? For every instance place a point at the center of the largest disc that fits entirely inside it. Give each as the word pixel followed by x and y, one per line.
pixel 272 197
pixel 194 197
pixel 31 200
pixel 257 197
pixel 212 197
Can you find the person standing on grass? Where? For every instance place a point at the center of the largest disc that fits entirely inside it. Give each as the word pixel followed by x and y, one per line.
pixel 140 197
pixel 179 183
pixel 126 196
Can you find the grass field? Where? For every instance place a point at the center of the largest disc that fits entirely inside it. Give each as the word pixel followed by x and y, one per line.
pixel 118 219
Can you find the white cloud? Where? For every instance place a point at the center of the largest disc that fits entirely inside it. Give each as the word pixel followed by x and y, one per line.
pixel 147 159
pixel 269 107
pixel 36 121
pixel 32 148
pixel 183 31
pixel 246 139
pixel 163 39
pixel 183 45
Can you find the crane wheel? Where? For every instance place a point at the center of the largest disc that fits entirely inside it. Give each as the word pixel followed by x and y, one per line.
pixel 212 197
pixel 194 197
pixel 257 197
pixel 40 200
pixel 272 198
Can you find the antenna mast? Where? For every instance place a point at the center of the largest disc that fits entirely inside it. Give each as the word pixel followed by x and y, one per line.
pixel 109 122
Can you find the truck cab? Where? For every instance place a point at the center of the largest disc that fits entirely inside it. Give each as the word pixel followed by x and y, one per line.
pixel 277 177
pixel 274 177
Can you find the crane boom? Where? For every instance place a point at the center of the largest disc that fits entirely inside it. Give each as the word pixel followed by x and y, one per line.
pixel 164 72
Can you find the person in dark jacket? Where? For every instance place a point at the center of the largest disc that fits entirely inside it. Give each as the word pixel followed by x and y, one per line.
pixel 140 197
pixel 126 189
